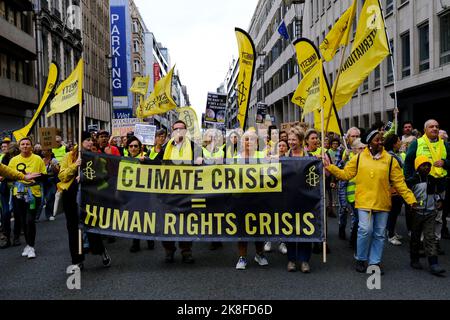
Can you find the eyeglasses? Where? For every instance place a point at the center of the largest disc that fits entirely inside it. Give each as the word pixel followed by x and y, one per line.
pixel 133 146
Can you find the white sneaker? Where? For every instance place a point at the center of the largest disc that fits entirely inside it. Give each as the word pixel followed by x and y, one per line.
pixel 25 251
pixel 52 218
pixel 31 253
pixel 268 246
pixel 399 237
pixel 241 264
pixel 282 248
pixel 261 260
pixel 394 241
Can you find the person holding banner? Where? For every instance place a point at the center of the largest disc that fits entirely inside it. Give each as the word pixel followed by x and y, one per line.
pixel 26 196
pixel 375 170
pixel 134 147
pixel 69 182
pixel 160 140
pixel 250 155
pixel 180 149
pixel 232 146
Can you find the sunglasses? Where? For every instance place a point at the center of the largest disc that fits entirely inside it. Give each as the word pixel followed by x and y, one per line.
pixel 133 146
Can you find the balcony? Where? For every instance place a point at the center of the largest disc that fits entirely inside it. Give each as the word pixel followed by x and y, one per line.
pixel 19 92
pixel 16 41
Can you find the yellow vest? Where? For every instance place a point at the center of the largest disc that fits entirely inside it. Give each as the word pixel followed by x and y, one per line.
pixel 440 152
pixel 59 153
pixel 184 153
pixel 214 155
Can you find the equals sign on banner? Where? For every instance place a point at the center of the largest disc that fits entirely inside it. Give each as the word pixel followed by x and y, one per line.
pixel 198 203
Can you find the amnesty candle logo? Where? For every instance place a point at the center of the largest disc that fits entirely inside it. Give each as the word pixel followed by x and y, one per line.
pixel 242 91
pixel 313 179
pixel 88 172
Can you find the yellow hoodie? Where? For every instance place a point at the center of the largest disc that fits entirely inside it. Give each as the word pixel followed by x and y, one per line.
pixel 372 181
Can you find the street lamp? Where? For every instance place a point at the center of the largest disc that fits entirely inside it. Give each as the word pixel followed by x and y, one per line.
pixel 109 61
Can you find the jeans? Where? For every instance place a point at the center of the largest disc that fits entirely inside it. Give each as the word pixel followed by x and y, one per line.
pixel 50 191
pixel 371 235
pixel 25 218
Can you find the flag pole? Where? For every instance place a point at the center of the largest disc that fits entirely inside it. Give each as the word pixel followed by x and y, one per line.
pixel 80 128
pixel 344 49
pixel 324 212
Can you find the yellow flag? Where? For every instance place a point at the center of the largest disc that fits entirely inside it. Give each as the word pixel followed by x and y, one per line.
pixel 313 90
pixel 245 77
pixel 160 101
pixel 370 47
pixel 49 89
pixel 69 93
pixel 140 85
pixel 325 102
pixel 189 116
pixel 339 34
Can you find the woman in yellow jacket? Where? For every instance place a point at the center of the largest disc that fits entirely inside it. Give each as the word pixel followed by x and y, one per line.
pixel 69 181
pixel 375 170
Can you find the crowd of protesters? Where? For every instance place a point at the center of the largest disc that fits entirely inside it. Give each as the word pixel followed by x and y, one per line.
pixel 370 178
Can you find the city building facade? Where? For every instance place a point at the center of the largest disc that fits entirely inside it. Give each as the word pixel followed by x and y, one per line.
pixel 419 34
pixel 18 53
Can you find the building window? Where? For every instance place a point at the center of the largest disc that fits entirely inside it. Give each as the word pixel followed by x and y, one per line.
pixel 356 121
pixel 376 74
pixel 406 57
pixel 347 123
pixel 403 1
pixel 137 66
pixel 389 6
pixel 365 85
pixel 424 47
pixel 377 116
pixel 445 38
pixel 366 121
pixel 136 46
pixel 390 60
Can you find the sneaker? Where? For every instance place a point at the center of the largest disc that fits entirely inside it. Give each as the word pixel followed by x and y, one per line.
pixel 261 260
pixel 291 267
pixel 361 266
pixel 394 241
pixel 52 218
pixel 399 237
pixel 416 265
pixel 268 246
pixel 26 251
pixel 241 264
pixel 31 253
pixel 305 268
pixel 282 248
pixel 106 259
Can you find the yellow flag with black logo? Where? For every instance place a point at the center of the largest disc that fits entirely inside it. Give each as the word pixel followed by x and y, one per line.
pixel 69 93
pixel 313 91
pixel 370 47
pixel 326 103
pixel 49 89
pixel 140 85
pixel 160 100
pixel 245 77
pixel 189 116
pixel 339 35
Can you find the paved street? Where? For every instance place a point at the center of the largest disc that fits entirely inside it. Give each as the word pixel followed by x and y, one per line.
pixel 145 275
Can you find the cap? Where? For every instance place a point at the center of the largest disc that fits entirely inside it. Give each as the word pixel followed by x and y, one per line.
pixel 6 140
pixel 420 160
pixel 85 135
pixel 371 135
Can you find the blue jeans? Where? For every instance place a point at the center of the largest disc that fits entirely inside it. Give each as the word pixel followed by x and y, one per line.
pixel 371 235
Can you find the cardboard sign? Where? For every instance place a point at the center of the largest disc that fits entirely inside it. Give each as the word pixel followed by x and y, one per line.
pixel 47 138
pixel 121 127
pixel 145 133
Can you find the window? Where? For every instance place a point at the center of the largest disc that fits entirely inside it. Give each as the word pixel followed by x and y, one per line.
pixel 406 57
pixel 424 47
pixel 365 85
pixel 137 66
pixel 356 121
pixel 403 1
pixel 445 38
pixel 377 116
pixel 347 123
pixel 135 46
pixel 390 60
pixel 366 121
pixel 389 6
pixel 376 74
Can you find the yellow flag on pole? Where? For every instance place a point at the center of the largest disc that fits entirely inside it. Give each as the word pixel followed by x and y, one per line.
pixel 245 77
pixel 69 93
pixel 370 47
pixel 160 100
pixel 313 90
pixel 327 104
pixel 189 116
pixel 140 85
pixel 339 35
pixel 49 89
